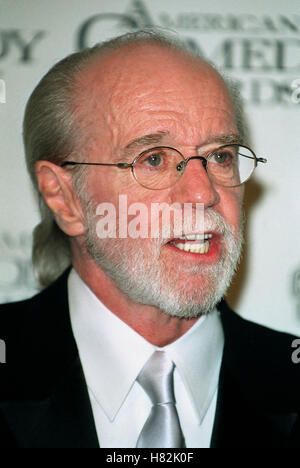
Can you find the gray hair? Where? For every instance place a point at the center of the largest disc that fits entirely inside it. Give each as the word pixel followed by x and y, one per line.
pixel 51 132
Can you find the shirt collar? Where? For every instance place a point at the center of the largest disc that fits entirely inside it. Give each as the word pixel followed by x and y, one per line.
pixel 111 361
pixel 198 356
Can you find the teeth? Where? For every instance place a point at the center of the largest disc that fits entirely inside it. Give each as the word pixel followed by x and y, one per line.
pixel 194 248
pixel 196 237
pixel 200 244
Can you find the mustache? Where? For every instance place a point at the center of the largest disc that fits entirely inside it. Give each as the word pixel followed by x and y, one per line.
pixel 212 221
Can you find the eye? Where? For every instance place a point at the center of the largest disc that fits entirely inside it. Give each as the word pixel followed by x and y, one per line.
pixel 154 159
pixel 157 158
pixel 223 157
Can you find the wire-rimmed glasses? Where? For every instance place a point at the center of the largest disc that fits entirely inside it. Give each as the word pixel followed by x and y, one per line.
pixel 162 166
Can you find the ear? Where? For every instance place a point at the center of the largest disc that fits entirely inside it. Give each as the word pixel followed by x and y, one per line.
pixel 55 184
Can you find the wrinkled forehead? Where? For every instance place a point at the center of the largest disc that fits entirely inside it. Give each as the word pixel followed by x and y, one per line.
pixel 149 78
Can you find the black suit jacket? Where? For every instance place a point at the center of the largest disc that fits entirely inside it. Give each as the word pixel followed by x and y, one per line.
pixel 44 400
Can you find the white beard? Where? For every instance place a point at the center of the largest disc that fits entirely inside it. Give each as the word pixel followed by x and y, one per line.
pixel 137 268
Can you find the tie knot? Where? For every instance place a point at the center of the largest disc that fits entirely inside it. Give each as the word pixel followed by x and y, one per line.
pixel 156 378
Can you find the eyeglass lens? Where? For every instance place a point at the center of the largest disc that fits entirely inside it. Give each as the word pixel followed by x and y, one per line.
pixel 162 167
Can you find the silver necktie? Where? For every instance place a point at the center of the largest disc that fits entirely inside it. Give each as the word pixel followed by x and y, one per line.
pixel 162 428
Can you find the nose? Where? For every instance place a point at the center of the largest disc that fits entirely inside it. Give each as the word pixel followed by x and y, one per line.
pixel 195 186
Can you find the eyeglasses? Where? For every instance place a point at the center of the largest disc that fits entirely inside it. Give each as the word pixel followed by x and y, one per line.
pixel 161 167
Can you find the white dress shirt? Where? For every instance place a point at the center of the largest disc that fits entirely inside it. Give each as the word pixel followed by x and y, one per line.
pixel 112 355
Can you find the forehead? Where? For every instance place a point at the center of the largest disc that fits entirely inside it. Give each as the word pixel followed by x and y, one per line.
pixel 142 88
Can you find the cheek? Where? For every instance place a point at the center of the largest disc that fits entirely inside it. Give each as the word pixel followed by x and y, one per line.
pixel 140 203
pixel 107 184
pixel 131 201
pixel 230 206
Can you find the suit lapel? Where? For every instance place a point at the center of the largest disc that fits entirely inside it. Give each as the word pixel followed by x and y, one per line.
pixel 63 420
pixel 44 398
pixel 239 423
pixel 258 400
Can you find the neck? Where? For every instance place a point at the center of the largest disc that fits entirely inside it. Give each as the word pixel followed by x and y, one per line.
pixel 150 322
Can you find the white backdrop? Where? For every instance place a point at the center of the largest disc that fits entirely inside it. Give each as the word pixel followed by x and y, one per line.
pixel 257 42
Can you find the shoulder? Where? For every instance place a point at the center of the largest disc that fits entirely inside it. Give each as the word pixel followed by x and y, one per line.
pixel 260 359
pixel 38 339
pixel 22 315
pixel 249 332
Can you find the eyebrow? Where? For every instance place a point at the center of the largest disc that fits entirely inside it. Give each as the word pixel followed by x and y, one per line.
pixel 227 139
pixel 158 137
pixel 146 140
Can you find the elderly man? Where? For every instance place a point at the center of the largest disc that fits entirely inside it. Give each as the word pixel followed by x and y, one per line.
pixel 133 345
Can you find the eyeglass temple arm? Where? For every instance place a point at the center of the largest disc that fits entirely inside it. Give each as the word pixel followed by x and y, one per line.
pixel 75 163
pixel 261 160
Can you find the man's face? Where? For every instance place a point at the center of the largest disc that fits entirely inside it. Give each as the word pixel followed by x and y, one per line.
pixel 142 97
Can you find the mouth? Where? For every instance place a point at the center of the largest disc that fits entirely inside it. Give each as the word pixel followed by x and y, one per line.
pixel 193 243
